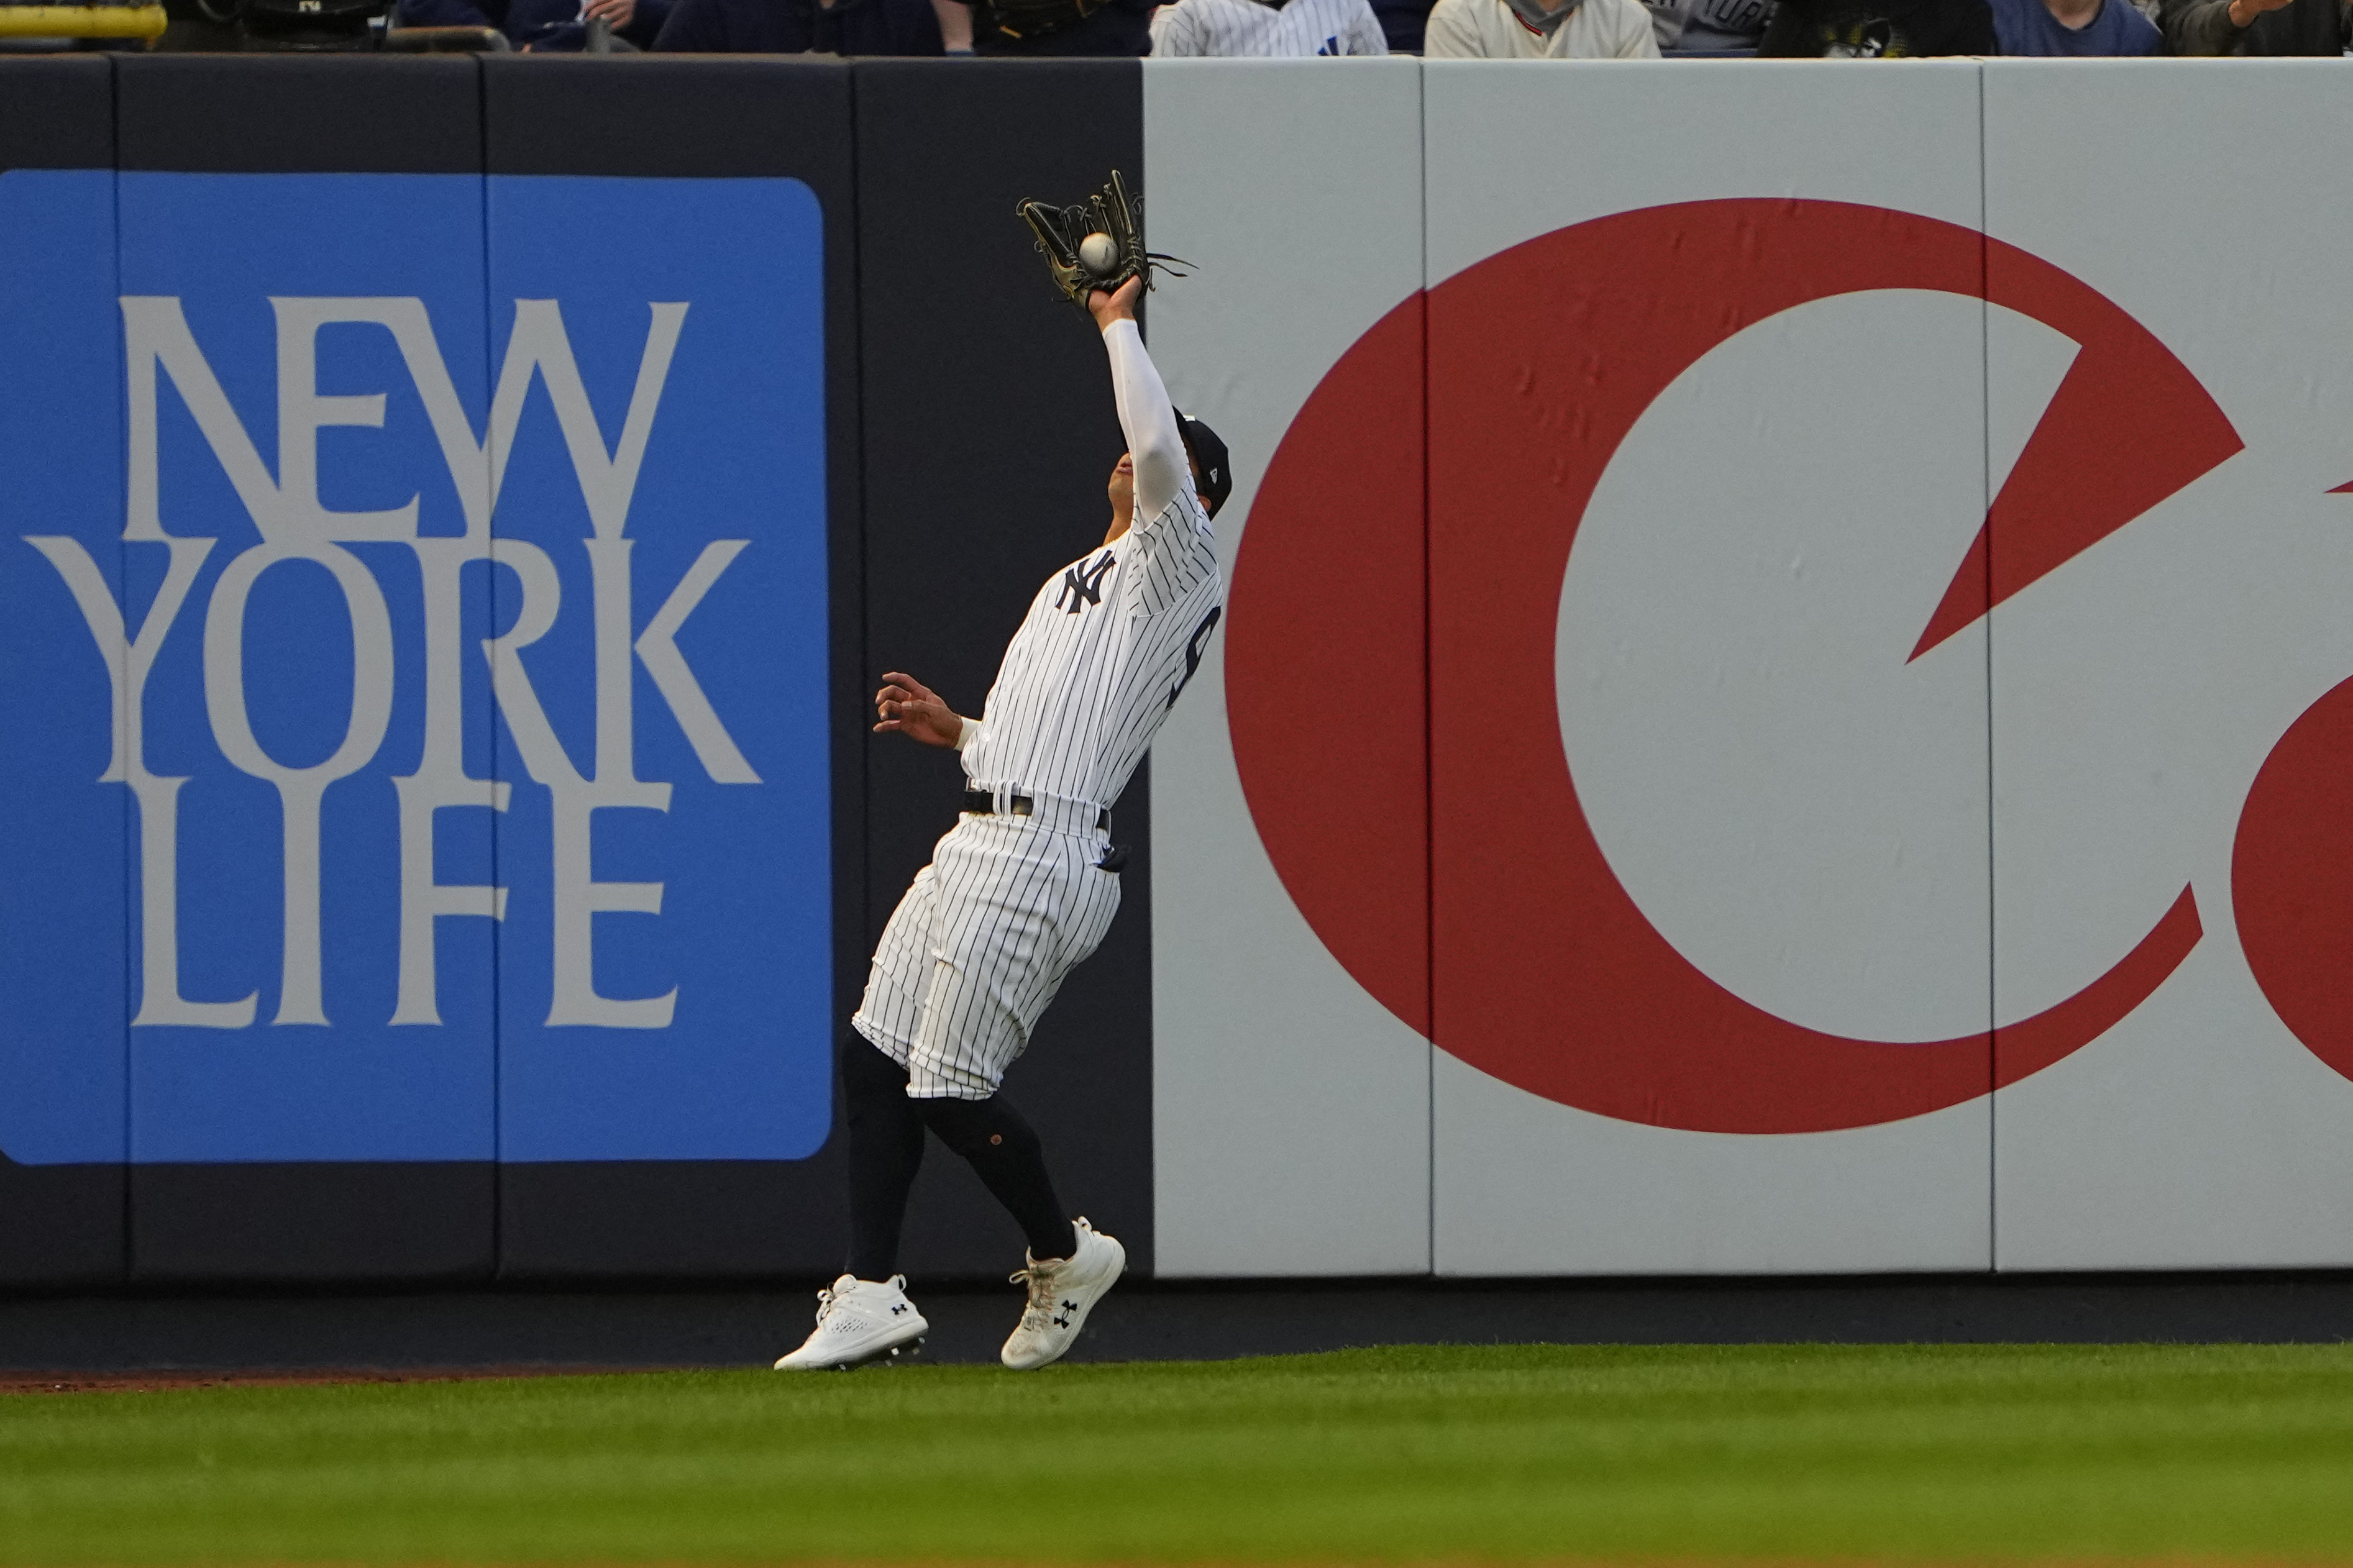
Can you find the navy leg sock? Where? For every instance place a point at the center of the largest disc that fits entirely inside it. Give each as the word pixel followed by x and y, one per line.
pixel 1005 1152
pixel 886 1149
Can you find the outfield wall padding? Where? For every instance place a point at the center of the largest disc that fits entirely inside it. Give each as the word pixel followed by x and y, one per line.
pixel 1883 721
pixel 1782 708
pixel 344 1134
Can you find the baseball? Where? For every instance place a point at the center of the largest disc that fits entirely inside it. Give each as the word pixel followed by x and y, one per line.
pixel 1098 253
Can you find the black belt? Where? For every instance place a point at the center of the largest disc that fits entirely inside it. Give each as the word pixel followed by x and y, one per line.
pixel 981 803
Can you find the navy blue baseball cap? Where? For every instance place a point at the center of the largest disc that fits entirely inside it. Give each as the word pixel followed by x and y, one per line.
pixel 1208 454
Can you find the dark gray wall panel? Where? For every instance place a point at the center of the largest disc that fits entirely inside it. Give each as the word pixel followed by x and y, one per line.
pixel 672 119
pixel 989 436
pixel 61 870
pixel 333 114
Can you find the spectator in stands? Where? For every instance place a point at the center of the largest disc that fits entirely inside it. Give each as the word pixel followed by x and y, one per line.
pixel 1713 26
pixel 1047 26
pixel 2074 28
pixel 2257 26
pixel 547 27
pixel 800 27
pixel 1267 27
pixel 1402 22
pixel 1880 29
pixel 1538 30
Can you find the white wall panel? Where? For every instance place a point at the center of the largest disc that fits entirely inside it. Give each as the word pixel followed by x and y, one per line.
pixel 1517 148
pixel 2138 688
pixel 1291 1110
pixel 1798 806
pixel 1796 803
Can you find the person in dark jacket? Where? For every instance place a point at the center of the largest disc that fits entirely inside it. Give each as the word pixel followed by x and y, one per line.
pixel 1877 30
pixel 1047 26
pixel 800 27
pixel 545 26
pixel 2256 26
pixel 1402 22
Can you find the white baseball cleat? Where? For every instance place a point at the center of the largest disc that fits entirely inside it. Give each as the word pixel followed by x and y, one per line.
pixel 1062 1291
pixel 859 1321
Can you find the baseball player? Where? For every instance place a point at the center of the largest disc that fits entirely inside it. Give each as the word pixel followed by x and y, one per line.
pixel 1025 885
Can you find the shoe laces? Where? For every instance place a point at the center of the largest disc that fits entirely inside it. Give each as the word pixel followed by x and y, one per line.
pixel 1046 1301
pixel 1044 1281
pixel 828 1301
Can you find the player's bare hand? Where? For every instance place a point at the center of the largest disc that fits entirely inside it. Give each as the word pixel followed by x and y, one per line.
pixel 913 708
pixel 620 13
pixel 2244 12
pixel 1119 305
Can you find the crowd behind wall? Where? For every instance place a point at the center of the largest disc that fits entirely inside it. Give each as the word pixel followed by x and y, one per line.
pixel 1460 29
pixel 1551 29
pixel 1522 29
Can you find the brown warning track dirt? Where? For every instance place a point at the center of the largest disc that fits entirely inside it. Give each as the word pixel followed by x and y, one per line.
pixel 160 1380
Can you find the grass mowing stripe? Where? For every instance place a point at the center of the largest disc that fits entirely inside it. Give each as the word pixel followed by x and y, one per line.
pixel 1785 1452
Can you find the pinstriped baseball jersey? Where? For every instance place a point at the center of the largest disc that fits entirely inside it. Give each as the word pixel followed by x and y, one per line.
pixel 1240 27
pixel 1010 903
pixel 1107 644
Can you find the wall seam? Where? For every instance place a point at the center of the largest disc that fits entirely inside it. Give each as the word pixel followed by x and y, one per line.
pixel 122 581
pixel 1985 448
pixel 1429 724
pixel 489 715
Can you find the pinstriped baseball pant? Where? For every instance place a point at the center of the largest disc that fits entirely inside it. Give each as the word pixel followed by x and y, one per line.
pixel 977 948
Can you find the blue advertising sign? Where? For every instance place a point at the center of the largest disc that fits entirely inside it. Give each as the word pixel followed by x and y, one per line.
pixel 452 657
pixel 62 853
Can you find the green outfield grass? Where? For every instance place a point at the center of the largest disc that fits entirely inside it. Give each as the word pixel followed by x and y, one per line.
pixel 1784 1452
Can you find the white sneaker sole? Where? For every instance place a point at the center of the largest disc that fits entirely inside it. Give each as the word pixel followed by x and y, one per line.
pixel 895 1349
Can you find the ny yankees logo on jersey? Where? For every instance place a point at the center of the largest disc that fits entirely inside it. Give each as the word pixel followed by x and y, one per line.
pixel 1083 584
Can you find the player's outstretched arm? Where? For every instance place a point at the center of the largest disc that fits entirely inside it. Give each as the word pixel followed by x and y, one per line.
pixel 1144 411
pixel 913 708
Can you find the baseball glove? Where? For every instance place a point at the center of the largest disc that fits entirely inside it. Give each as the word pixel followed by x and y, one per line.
pixel 1099 244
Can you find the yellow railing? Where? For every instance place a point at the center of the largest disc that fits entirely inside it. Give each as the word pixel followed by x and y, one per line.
pixel 81 21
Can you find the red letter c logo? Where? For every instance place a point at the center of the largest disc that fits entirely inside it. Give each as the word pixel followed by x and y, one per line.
pixel 1548 975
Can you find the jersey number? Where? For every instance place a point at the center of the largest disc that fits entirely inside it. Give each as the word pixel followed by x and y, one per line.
pixel 1193 650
